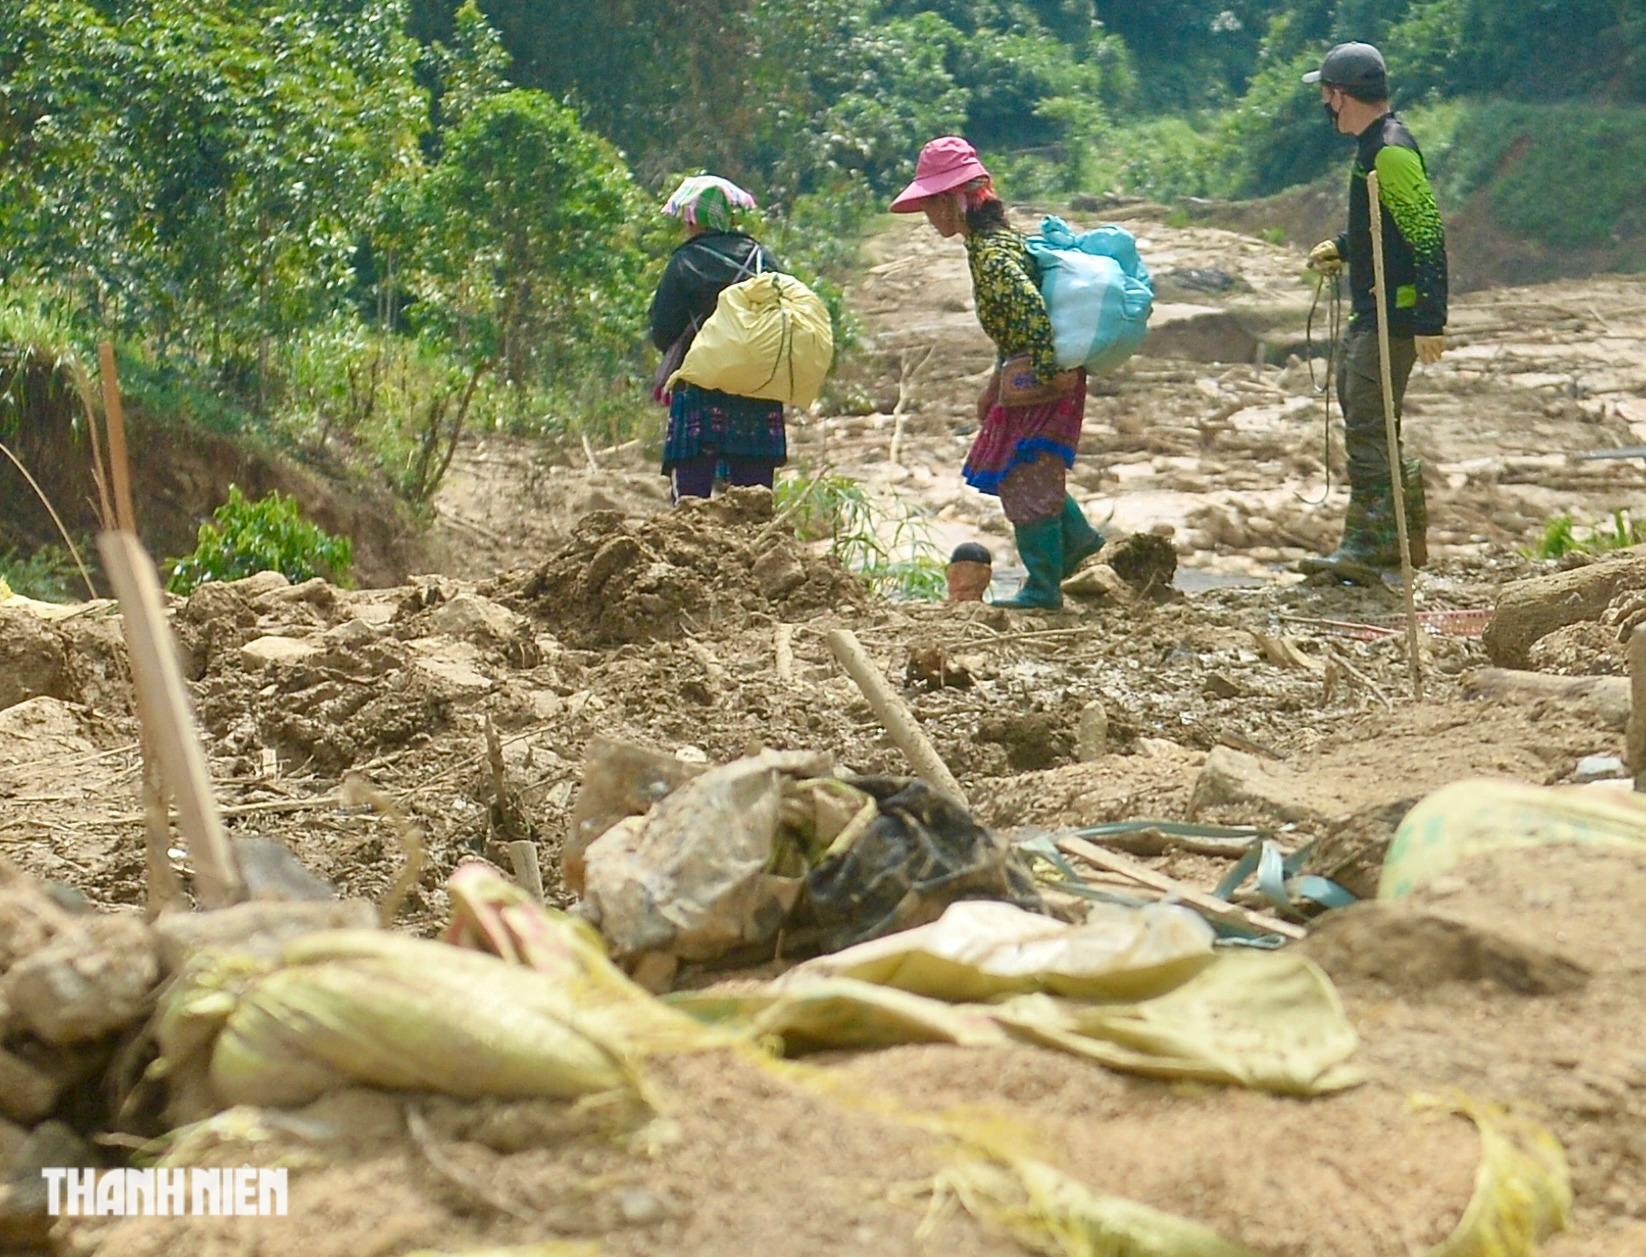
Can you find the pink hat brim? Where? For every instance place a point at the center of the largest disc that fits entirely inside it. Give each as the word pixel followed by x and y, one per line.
pixel 908 200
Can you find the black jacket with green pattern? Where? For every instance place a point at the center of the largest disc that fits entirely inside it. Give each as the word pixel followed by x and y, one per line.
pixel 1414 239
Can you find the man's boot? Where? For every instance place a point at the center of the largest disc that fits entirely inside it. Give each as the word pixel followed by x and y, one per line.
pixel 1417 512
pixel 1369 539
pixel 1080 539
pixel 1040 543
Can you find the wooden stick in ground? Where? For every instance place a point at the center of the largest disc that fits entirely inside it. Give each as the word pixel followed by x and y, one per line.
pixel 1211 905
pixel 1635 738
pixel 115 416
pixel 894 714
pixel 164 708
pixel 783 648
pixel 523 855
pixel 1391 427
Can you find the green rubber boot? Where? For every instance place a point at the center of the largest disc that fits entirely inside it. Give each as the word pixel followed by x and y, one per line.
pixel 1369 542
pixel 1080 539
pixel 1040 543
pixel 1417 512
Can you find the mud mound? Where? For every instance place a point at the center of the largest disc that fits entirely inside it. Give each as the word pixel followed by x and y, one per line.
pixel 80 659
pixel 705 563
pixel 1580 650
pixel 1517 977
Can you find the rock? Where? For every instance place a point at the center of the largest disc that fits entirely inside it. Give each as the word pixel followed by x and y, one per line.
pixel 640 1206
pixel 27 1093
pixel 779 572
pixel 1091 738
pixel 1533 608
pixel 259 583
pixel 351 633
pixel 259 929
pixel 1098 582
pixel 1582 649
pixel 1234 778
pixel 1599 768
pixel 94 977
pixel 277 651
pixel 469 617
pixel 454 667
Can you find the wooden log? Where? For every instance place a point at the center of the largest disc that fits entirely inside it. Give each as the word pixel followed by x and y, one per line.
pixel 894 714
pixel 1607 698
pixel 1531 609
pixel 164 706
pixel 1200 900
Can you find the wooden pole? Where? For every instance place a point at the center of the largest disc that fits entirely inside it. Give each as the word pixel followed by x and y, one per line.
pixel 1391 427
pixel 115 416
pixel 163 706
pixel 894 714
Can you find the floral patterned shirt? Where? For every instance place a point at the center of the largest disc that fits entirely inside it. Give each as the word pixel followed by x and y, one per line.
pixel 1009 305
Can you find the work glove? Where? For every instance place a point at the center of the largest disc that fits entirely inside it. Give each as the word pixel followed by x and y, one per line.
pixel 1429 349
pixel 1325 260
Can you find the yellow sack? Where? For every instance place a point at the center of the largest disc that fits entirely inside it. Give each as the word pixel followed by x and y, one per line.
pixel 769 337
pixel 1470 818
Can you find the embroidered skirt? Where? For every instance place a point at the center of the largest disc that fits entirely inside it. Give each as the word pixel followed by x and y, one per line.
pixel 702 422
pixel 1013 436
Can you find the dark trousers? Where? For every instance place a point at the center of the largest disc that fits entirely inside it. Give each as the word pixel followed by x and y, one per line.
pixel 1360 392
pixel 694 478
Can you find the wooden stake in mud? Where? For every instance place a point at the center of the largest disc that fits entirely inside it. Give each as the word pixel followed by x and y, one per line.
pixel 894 714
pixel 163 706
pixel 1391 427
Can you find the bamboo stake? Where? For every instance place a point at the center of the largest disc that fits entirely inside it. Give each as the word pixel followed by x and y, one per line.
pixel 894 714
pixel 1392 431
pixel 523 855
pixel 163 707
pixel 119 463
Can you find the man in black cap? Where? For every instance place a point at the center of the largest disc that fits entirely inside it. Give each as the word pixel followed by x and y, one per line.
pixel 1355 92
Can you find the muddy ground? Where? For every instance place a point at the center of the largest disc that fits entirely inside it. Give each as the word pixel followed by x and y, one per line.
pixel 584 610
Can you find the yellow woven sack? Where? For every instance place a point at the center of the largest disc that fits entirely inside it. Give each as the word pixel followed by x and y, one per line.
pixel 769 337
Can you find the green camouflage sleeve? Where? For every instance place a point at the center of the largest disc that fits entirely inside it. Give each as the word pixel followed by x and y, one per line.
pixel 1404 191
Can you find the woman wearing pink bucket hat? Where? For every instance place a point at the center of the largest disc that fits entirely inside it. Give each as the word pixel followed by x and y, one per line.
pixel 1030 413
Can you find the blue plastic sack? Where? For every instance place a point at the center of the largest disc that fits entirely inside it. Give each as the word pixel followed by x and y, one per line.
pixel 1097 291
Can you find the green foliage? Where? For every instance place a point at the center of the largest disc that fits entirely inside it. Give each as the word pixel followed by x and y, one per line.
pixel 1568 174
pixel 836 509
pixel 47 575
pixel 1562 535
pixel 244 538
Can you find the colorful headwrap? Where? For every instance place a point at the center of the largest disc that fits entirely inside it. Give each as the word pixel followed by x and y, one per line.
pixel 708 201
pixel 979 192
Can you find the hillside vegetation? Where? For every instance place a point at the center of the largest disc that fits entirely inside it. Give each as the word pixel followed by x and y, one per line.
pixel 360 228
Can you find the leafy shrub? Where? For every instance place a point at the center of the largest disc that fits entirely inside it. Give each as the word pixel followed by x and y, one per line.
pixel 837 510
pixel 269 534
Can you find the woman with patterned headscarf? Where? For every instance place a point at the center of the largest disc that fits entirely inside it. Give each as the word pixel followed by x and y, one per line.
pixel 1030 413
pixel 709 430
